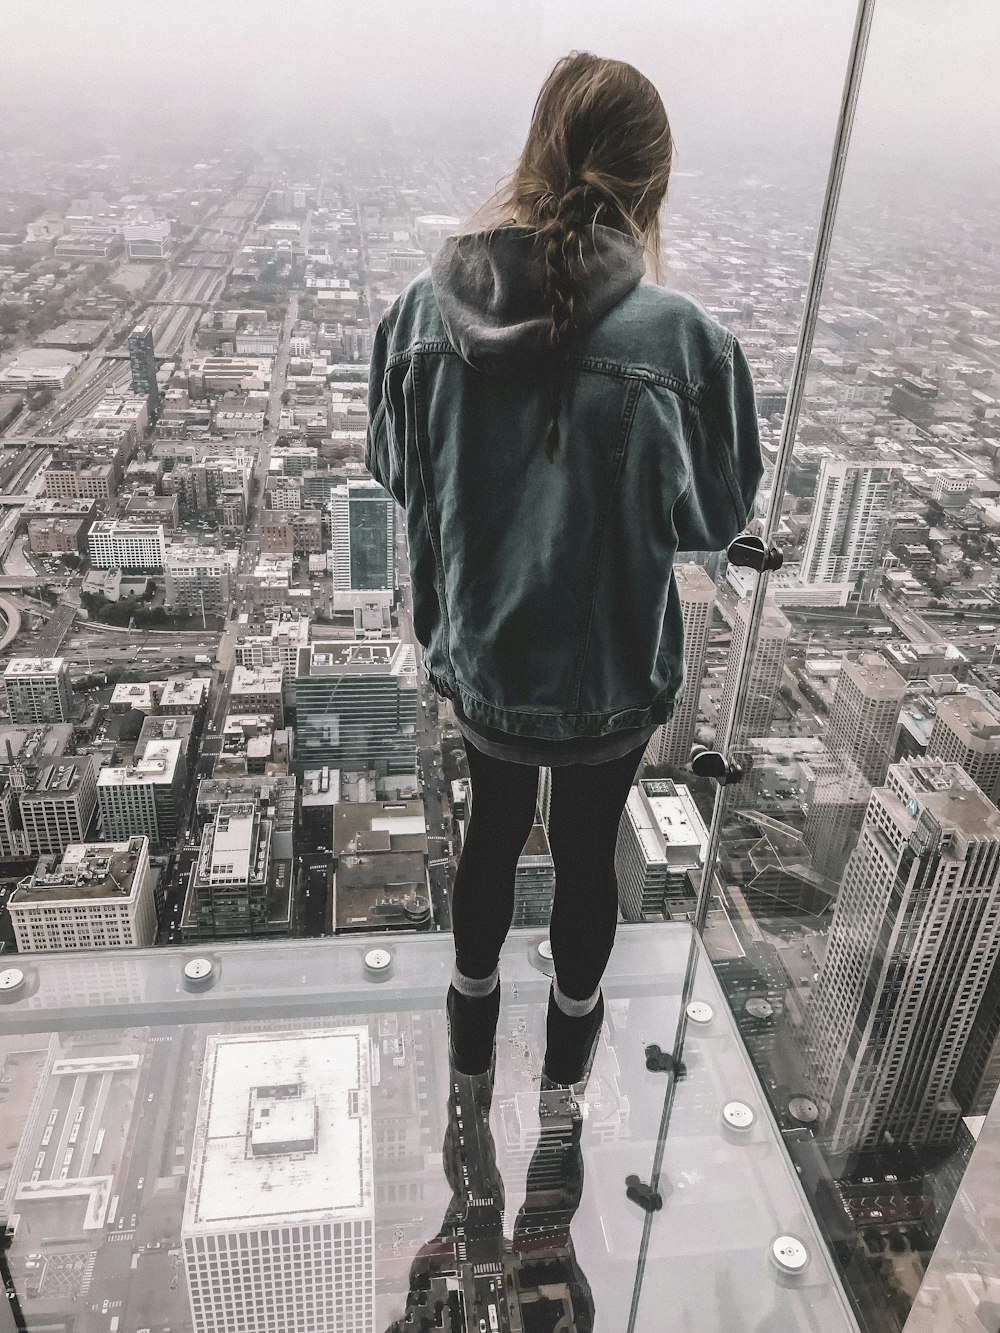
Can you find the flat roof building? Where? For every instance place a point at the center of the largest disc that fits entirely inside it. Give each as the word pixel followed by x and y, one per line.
pixel 37 689
pixel 58 803
pixel 237 886
pixel 661 841
pixel 100 896
pixel 258 689
pixel 967 732
pixel 118 545
pixel 146 797
pixel 282 1169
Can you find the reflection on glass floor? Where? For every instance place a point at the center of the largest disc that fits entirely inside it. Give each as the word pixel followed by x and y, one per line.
pixel 287 1149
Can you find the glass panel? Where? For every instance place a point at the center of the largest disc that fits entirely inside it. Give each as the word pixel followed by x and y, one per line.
pixel 282 1139
pixel 859 863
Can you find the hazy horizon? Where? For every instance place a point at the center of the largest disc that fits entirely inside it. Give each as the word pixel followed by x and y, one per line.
pixel 753 83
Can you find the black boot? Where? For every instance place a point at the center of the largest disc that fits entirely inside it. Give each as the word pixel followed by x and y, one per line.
pixel 472 1027
pixel 571 1043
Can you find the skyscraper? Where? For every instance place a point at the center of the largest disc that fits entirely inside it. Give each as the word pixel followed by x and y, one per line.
pixel 279 1215
pixel 355 697
pixel 671 743
pixel 142 359
pixel 914 940
pixel 966 731
pixel 838 799
pixel 363 542
pixel 766 668
pixel 853 511
pixel 865 713
pixel 662 839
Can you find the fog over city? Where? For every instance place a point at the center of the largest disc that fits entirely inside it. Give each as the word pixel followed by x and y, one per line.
pixel 758 80
pixel 248 528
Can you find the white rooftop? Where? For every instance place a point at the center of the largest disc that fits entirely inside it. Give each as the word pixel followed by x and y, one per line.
pixel 34 666
pixel 238 1179
pixel 158 765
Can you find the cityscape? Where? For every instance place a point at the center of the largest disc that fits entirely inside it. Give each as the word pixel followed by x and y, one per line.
pixel 217 742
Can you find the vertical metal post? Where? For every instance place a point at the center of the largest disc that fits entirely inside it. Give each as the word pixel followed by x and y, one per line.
pixel 734 722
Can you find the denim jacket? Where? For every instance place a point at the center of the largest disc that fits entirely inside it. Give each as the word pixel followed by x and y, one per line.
pixel 543 593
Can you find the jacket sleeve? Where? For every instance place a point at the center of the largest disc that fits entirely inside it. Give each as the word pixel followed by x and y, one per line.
pixel 382 455
pixel 724 460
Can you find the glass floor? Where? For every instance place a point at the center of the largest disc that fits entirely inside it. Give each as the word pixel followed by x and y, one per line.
pixel 274 1141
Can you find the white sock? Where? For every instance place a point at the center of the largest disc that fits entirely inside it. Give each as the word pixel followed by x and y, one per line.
pixel 476 988
pixel 574 1008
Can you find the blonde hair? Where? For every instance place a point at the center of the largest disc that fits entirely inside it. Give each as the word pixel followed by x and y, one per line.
pixel 599 149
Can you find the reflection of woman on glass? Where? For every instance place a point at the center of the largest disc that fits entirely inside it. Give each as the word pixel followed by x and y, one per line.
pixel 557 431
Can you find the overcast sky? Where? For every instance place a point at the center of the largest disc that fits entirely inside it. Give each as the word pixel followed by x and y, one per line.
pixel 761 77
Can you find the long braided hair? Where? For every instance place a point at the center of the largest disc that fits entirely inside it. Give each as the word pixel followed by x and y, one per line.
pixel 599 150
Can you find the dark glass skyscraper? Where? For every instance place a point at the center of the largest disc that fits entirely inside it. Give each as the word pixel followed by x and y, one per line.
pixel 142 359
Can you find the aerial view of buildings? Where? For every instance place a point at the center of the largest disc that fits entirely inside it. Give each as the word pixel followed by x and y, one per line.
pixel 216 731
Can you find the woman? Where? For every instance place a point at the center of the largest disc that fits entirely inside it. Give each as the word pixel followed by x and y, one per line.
pixel 557 431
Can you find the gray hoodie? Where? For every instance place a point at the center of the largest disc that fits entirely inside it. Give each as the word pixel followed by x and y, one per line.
pixel 488 287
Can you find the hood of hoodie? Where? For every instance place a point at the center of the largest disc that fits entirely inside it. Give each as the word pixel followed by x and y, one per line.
pixel 488 287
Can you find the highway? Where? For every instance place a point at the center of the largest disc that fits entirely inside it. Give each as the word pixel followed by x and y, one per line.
pixel 174 312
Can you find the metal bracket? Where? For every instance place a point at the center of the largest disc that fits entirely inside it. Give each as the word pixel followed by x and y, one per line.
pixel 707 763
pixel 648 1199
pixel 751 553
pixel 662 1062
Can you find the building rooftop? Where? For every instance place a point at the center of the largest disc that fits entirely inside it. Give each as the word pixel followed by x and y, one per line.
pixel 88 871
pixel 316 1163
pixel 320 787
pixel 974 714
pixel 231 852
pixel 324 659
pixel 31 745
pixel 61 777
pixel 677 826
pixel 184 691
pixel 257 680
pixel 157 765
pixel 946 793
pixel 874 674
pixel 33 666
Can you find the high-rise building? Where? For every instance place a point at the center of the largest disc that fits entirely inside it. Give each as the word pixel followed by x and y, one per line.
pixel 199 577
pixel 258 690
pixel 57 804
pixel 966 731
pixel 99 897
pixel 766 668
pixel 237 885
pixel 661 840
pixel 37 689
pixel 363 545
pixel 142 359
pixel 914 940
pixel 147 797
pixel 274 643
pixel 865 713
pixel 534 879
pixel 978 1075
pixel 853 512
pixel 277 793
pixel 278 1224
pixel 118 545
pixel 671 743
pixel 355 697
pixel 837 799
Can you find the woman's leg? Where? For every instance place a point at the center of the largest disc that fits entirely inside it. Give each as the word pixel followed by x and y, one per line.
pixel 504 799
pixel 584 814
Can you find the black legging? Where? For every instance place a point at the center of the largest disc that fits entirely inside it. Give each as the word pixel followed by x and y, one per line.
pixel 584 813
